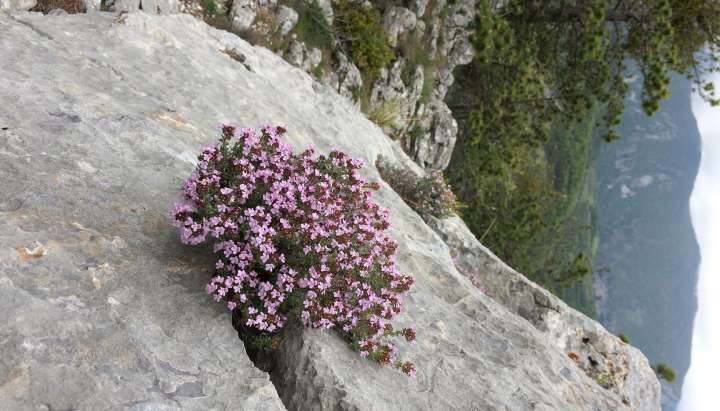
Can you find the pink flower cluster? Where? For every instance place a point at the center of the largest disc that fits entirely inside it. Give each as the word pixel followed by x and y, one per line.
pixel 296 235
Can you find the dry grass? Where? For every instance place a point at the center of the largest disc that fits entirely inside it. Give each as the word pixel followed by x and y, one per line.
pixel 388 113
pixel 70 6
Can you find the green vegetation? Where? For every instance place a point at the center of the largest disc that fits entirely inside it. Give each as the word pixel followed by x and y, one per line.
pixel 547 82
pixel 624 338
pixel 209 8
pixel 428 194
pixel 360 29
pixel 556 59
pixel 665 372
pixel 529 201
pixel 312 27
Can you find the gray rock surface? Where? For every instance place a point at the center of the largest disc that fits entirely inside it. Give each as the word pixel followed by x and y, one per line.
pixel 602 356
pixel 398 20
pixel 349 78
pixel 147 6
pixel 298 55
pixel 423 121
pixel 473 353
pixel 243 14
pixel 102 308
pixel 418 6
pixel 433 150
pixel 17 5
pixel 286 19
pixel 390 89
pixel 107 116
pixel 295 53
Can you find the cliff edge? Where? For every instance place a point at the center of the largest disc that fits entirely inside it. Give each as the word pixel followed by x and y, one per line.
pixel 101 119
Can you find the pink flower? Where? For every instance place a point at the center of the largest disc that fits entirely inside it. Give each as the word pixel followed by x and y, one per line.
pixel 299 228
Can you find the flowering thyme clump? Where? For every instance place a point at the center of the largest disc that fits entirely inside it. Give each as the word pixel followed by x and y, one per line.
pixel 296 235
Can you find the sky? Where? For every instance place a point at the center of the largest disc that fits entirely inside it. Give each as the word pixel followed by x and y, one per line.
pixel 702 382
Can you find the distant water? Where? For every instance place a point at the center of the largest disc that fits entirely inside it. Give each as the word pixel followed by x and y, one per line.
pixel 700 388
pixel 648 256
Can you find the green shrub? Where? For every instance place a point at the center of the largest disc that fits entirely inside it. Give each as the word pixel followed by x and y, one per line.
pixel 361 31
pixel 209 8
pixel 624 338
pixel 665 372
pixel 427 194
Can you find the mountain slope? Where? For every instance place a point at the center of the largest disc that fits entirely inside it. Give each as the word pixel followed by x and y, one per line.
pixel 107 115
pixel 646 238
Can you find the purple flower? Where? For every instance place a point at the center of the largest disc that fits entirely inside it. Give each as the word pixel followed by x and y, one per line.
pixel 302 227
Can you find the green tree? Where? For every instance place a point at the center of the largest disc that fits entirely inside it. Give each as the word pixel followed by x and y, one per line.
pixel 557 57
pixel 548 65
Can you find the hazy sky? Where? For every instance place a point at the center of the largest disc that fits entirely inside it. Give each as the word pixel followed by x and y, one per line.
pixel 700 390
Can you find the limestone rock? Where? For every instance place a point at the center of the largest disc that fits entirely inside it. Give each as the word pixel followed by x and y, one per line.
pixel 94 5
pixel 615 365
pixel 398 20
pixel 243 14
pixel 472 351
pixel 102 307
pixel 295 54
pixel 147 6
pixel 99 294
pixel 17 5
pixel 286 19
pixel 461 52
pixel 439 8
pixel 432 149
pixel 314 57
pixel 349 77
pixel 298 55
pixel 434 36
pixel 390 90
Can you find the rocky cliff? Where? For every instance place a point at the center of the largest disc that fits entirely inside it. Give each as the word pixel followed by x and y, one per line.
pixel 428 39
pixel 101 118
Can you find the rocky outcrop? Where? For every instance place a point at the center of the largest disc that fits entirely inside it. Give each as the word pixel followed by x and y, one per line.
pixel 286 19
pixel 398 20
pixel 105 308
pixel 601 355
pixel 102 308
pixel 433 151
pixel 298 55
pixel 438 30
